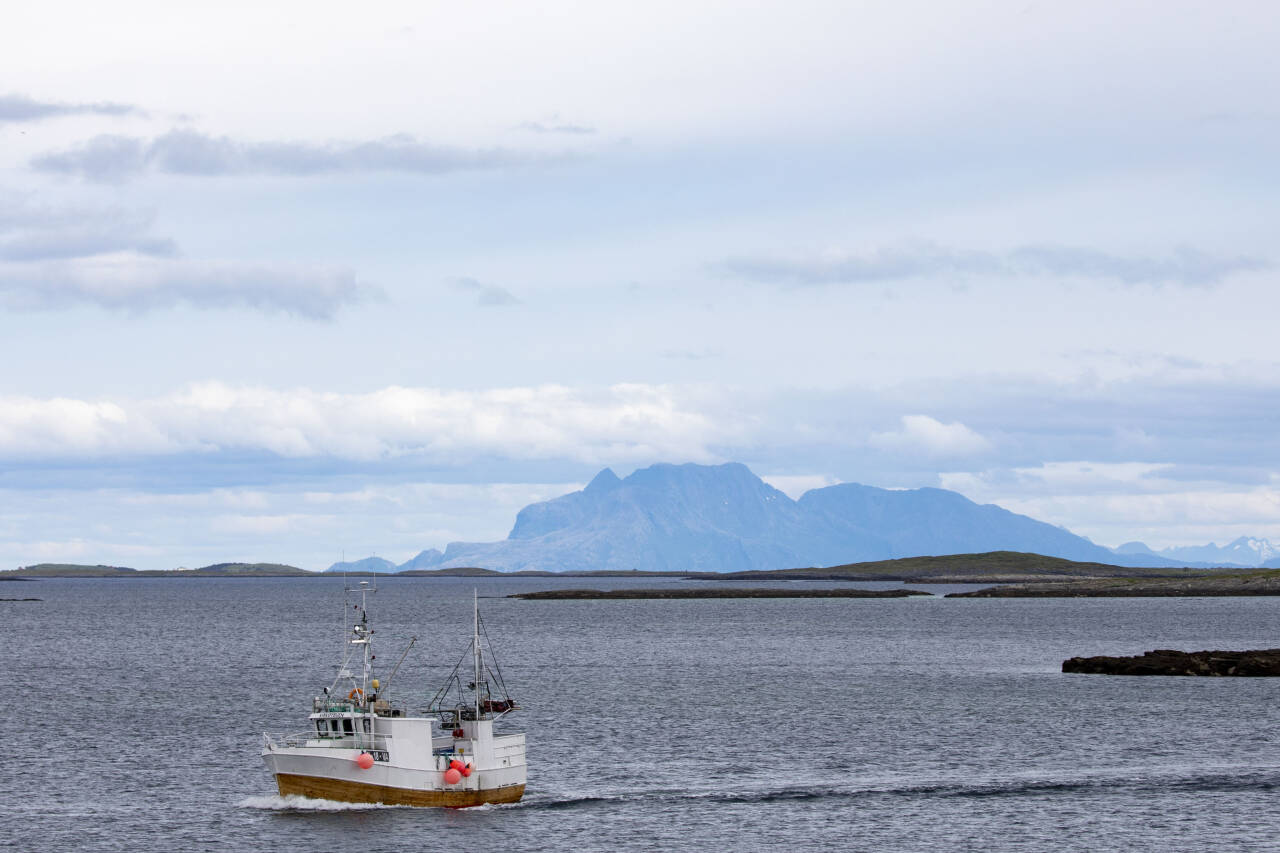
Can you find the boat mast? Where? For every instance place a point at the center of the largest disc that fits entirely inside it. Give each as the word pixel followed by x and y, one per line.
pixel 475 645
pixel 364 621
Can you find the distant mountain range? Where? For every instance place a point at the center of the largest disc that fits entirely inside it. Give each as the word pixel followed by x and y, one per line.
pixel 221 570
pixel 725 518
pixel 1247 551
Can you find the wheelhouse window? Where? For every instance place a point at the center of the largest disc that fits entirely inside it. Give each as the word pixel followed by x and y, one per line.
pixel 322 728
pixel 366 725
pixel 346 725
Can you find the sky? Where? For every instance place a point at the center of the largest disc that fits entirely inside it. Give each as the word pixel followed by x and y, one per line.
pixel 294 281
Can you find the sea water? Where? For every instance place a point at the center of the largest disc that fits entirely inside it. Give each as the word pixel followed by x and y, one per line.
pixel 136 710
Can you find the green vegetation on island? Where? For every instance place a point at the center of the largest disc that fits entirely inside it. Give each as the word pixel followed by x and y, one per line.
pixel 1200 584
pixel 714 592
pixel 248 569
pixel 68 570
pixel 71 570
pixel 989 567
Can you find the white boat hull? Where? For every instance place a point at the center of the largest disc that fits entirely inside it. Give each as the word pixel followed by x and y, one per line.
pixel 497 776
pixel 334 775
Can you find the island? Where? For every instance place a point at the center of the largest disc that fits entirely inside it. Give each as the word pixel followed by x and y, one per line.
pixel 1017 574
pixel 1255 663
pixel 987 567
pixel 1248 582
pixel 711 592
pixel 217 570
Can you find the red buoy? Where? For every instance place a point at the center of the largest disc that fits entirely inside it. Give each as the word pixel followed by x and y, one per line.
pixel 456 765
pixel 364 760
pixel 452 776
pixel 466 770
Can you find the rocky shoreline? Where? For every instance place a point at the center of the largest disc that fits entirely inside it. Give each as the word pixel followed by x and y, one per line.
pixel 590 594
pixel 1254 663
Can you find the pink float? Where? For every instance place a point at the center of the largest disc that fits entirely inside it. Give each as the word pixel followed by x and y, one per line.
pixel 452 776
pixel 364 760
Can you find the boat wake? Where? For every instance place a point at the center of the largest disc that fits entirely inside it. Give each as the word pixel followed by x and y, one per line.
pixel 1219 781
pixel 1260 780
pixel 296 803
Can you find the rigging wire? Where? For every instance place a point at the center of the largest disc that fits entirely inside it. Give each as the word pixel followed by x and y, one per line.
pixel 455 679
pixel 497 670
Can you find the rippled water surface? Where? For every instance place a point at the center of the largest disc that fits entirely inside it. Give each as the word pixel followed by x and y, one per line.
pixel 137 709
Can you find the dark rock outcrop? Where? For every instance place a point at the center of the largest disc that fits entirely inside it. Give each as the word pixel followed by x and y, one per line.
pixel 1258 662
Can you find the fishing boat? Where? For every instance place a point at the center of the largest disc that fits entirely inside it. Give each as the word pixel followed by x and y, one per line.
pixel 364 746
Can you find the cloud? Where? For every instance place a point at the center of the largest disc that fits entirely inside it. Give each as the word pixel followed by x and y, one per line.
pixel 1209 445
pixel 795 485
pixel 1184 265
pixel 20 108
pixel 923 433
pixel 285 523
pixel 31 232
pixel 1119 502
pixel 488 295
pixel 1064 478
pixel 191 153
pixel 1072 475
pixel 556 126
pixel 132 282
pixel 53 258
pixel 608 425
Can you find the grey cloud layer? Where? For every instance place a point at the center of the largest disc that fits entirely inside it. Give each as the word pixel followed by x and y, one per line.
pixel 54 258
pixel 20 108
pixel 32 232
pixel 139 284
pixel 487 295
pixel 557 127
pixel 184 152
pixel 1186 266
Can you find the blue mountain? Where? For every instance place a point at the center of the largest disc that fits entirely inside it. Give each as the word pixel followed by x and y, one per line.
pixel 368 564
pixel 725 518
pixel 885 524
pixel 427 559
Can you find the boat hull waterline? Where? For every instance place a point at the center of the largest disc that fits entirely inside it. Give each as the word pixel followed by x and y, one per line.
pixel 303 773
pixel 344 791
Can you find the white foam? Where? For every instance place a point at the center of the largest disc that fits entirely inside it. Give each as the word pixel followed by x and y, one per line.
pixel 296 802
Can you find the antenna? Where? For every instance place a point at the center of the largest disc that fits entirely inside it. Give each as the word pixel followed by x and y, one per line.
pixel 475 644
pixel 342 624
